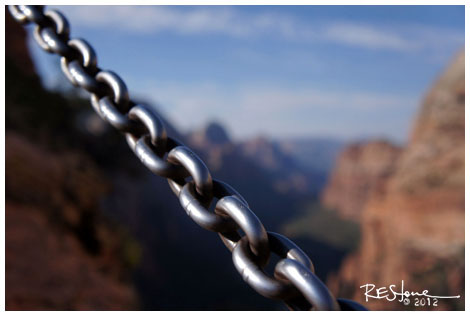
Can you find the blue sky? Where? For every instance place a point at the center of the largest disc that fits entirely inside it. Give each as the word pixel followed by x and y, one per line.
pixel 347 72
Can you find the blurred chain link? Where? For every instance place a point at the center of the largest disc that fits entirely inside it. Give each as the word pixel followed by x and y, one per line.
pixel 294 280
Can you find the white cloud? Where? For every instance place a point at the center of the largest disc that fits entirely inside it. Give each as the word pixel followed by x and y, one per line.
pixel 367 36
pixel 232 22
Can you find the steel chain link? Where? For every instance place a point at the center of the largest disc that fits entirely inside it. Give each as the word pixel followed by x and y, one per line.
pixel 294 280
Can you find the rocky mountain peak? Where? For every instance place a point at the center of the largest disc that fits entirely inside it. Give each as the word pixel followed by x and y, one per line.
pixel 440 117
pixel 211 134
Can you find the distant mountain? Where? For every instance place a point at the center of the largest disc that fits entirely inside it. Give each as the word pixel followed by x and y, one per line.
pixel 289 174
pixel 212 134
pixel 297 166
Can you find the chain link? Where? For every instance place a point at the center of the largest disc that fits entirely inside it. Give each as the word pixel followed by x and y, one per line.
pixel 294 280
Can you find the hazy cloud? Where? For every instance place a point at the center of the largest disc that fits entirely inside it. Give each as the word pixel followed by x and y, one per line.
pixel 279 111
pixel 367 36
pixel 232 22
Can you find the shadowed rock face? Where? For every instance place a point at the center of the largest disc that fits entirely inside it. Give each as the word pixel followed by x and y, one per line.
pixel 60 253
pixel 15 45
pixel 414 230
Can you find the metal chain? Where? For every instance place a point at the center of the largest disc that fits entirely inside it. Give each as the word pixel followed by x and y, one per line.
pixel 294 280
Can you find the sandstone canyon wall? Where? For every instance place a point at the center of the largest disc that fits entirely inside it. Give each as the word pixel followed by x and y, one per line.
pixel 413 219
pixel 361 170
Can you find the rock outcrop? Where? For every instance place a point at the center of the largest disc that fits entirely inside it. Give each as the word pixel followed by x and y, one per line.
pixel 414 229
pixel 211 135
pixel 61 254
pixel 361 171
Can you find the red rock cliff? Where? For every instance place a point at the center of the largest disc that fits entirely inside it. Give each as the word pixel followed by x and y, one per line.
pixel 414 230
pixel 361 170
